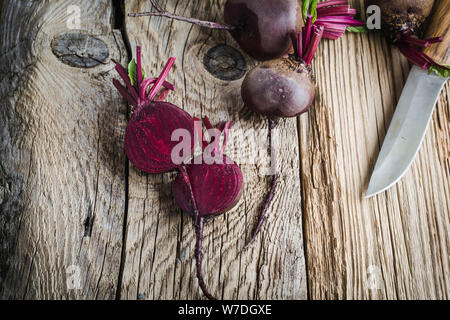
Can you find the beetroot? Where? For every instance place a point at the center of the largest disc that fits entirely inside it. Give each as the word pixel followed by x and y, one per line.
pixel 205 190
pixel 402 22
pixel 148 142
pixel 263 27
pixel 285 87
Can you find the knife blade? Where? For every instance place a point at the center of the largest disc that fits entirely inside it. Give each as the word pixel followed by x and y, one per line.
pixel 414 110
pixel 407 130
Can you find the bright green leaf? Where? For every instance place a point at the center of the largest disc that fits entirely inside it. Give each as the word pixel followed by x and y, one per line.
pixel 442 72
pixel 305 9
pixel 314 10
pixel 132 72
pixel 357 29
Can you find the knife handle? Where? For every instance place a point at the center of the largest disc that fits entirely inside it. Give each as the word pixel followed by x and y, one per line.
pixel 439 24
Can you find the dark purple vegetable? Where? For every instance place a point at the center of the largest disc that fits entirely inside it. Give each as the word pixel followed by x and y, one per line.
pixel 209 186
pixel 283 88
pixel 148 142
pixel 402 22
pixel 400 15
pixel 261 28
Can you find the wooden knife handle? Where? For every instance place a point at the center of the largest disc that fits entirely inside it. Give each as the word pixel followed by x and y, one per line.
pixel 439 24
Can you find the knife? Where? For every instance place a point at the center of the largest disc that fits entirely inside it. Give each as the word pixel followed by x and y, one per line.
pixel 414 110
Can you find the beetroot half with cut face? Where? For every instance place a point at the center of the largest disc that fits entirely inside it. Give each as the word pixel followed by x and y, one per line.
pixel 210 185
pixel 148 136
pixel 217 188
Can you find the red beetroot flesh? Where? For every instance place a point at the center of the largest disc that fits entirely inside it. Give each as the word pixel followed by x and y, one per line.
pixel 148 137
pixel 263 28
pixel 217 188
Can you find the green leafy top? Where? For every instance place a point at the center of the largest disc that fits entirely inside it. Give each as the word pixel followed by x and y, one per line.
pixel 440 71
pixel 309 7
pixel 132 72
pixel 357 29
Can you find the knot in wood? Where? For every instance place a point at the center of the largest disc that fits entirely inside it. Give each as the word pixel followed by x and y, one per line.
pixel 225 63
pixel 80 50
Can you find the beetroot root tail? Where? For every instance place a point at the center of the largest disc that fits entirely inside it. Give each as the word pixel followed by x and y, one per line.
pixel 198 256
pixel 273 185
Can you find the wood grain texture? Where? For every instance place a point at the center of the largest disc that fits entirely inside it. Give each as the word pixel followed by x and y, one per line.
pixel 393 246
pixel 439 27
pixel 62 168
pixel 66 198
pixel 160 241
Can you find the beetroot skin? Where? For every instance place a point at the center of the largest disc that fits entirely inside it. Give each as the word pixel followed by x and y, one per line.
pixel 263 28
pixel 279 88
pixel 402 22
pixel 400 15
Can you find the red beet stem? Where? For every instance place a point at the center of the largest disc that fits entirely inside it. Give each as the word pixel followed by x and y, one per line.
pixel 207 123
pixel 331 3
pixel 408 47
pixel 149 81
pixel 131 89
pixel 316 37
pixel 341 20
pixel 199 221
pixel 139 66
pixel 307 30
pixel 414 41
pixel 161 78
pixel 431 60
pixel 123 91
pixel 273 185
pixel 412 54
pixel 434 40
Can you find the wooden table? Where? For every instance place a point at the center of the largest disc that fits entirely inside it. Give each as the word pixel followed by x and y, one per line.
pixel 77 221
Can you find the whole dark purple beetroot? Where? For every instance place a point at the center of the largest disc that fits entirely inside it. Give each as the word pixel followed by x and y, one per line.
pixel 263 28
pixel 283 88
pixel 403 22
pixel 279 88
pixel 402 15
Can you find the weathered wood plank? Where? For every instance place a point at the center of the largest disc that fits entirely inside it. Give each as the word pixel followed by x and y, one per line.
pixel 396 245
pixel 62 168
pixel 160 239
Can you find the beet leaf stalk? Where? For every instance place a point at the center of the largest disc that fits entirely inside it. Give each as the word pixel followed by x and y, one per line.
pixel 336 16
pixel 411 47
